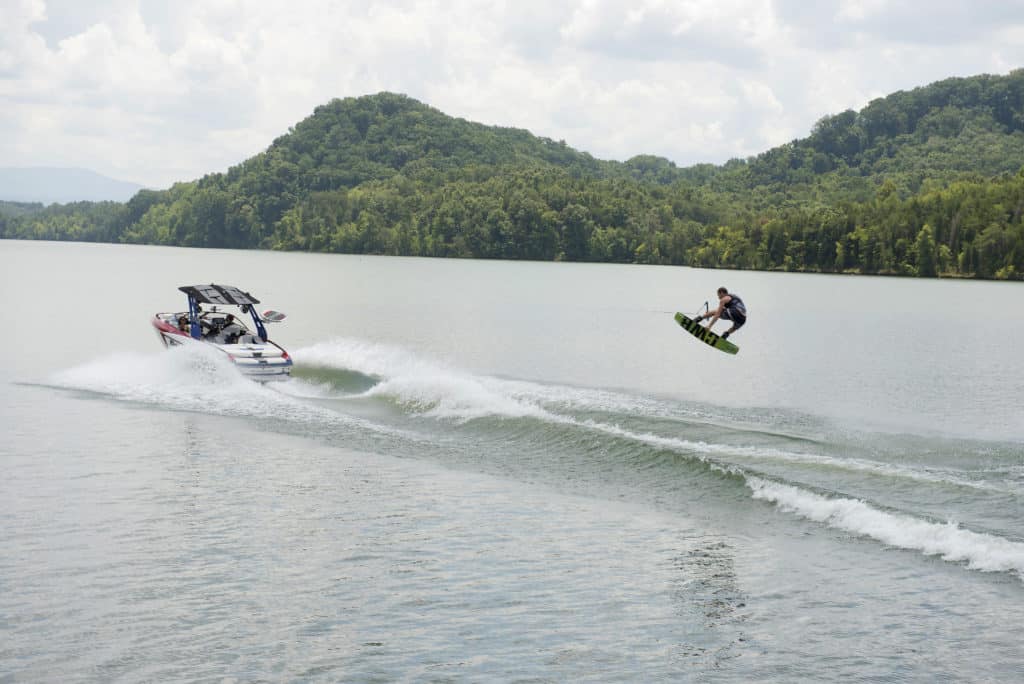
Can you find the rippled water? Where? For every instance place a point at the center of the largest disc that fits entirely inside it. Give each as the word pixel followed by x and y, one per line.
pixel 506 471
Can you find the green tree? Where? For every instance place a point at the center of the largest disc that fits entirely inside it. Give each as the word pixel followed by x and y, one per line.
pixel 927 252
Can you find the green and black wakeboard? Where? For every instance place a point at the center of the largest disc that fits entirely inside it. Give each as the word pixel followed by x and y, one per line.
pixel 705 335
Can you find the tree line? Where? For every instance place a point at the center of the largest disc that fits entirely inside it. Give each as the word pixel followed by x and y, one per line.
pixel 969 228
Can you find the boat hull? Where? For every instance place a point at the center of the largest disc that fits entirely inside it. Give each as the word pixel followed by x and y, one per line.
pixel 258 360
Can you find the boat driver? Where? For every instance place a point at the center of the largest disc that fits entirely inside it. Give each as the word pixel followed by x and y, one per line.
pixel 231 330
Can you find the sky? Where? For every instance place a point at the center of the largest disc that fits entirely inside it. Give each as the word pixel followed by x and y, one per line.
pixel 156 92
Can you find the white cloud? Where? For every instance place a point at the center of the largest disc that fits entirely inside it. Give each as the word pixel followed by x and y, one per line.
pixel 19 45
pixel 157 92
pixel 727 31
pixel 942 22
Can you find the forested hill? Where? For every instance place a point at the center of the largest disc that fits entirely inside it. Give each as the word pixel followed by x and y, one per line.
pixel 923 182
pixel 347 142
pixel 956 128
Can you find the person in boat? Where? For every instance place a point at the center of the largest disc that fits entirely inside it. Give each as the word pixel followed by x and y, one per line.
pixel 231 330
pixel 210 326
pixel 205 329
pixel 730 308
pixel 183 323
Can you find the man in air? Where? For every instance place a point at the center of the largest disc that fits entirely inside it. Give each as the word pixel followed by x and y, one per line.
pixel 730 308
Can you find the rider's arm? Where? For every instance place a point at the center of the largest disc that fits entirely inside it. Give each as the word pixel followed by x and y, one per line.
pixel 718 312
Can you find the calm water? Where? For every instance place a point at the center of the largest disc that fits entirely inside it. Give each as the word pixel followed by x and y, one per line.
pixel 494 471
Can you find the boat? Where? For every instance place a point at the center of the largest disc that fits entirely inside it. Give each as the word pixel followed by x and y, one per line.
pixel 221 325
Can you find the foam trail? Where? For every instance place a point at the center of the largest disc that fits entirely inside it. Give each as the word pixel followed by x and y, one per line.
pixel 866 466
pixel 360 355
pixel 428 388
pixel 460 398
pixel 979 551
pixel 433 389
pixel 195 379
pixel 412 376
pixel 699 447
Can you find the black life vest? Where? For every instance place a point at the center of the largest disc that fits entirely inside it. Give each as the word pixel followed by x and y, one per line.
pixel 736 305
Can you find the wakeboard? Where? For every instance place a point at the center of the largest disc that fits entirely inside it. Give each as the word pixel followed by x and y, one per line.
pixel 705 335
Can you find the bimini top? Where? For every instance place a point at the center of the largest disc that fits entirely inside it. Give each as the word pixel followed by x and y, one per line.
pixel 218 294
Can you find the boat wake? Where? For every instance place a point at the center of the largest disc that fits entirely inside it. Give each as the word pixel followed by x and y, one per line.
pixel 201 380
pixel 336 385
pixel 434 390
pixel 947 540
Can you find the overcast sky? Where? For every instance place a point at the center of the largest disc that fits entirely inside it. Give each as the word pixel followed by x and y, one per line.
pixel 153 91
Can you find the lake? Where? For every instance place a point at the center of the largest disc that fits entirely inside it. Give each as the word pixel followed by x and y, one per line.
pixel 507 471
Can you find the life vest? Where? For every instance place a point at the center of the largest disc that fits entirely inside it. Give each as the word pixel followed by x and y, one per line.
pixel 736 305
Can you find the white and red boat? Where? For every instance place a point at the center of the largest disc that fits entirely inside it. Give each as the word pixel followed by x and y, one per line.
pixel 221 325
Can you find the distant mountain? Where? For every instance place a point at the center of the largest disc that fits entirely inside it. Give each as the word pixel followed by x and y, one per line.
pixel 49 185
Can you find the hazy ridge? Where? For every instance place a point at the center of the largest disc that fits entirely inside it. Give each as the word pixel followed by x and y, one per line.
pixel 48 185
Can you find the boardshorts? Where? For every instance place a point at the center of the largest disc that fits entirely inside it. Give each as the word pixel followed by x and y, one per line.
pixel 735 316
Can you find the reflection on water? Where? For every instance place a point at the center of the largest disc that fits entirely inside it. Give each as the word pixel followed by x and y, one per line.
pixel 708 589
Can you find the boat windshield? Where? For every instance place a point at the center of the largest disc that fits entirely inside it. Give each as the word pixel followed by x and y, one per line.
pixel 223 327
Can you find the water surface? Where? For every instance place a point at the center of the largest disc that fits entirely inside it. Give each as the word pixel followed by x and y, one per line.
pixel 507 471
